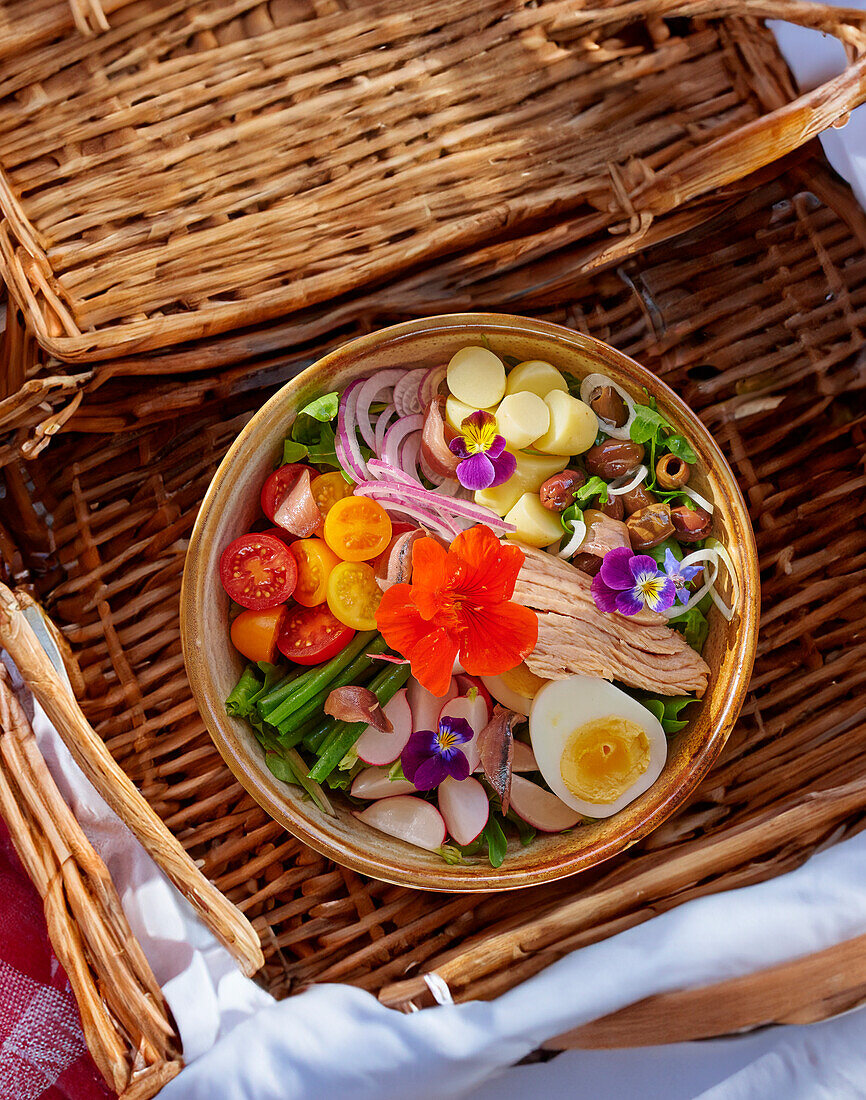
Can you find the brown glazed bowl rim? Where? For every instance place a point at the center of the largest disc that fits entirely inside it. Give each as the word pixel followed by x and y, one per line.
pixel 299 818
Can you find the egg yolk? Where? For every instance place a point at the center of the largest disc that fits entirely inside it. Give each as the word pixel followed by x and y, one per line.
pixel 522 681
pixel 603 758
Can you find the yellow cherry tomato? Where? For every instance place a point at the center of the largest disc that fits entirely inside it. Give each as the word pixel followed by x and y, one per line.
pixel 255 633
pixel 327 489
pixel 315 560
pixel 357 528
pixel 353 595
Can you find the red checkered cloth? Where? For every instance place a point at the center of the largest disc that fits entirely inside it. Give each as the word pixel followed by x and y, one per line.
pixel 42 1048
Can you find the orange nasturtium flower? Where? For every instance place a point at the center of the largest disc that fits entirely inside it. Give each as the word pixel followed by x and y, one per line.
pixel 459 603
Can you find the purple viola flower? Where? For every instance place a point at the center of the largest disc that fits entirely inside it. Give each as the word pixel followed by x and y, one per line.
pixel 629 582
pixel 486 463
pixel 430 756
pixel 681 576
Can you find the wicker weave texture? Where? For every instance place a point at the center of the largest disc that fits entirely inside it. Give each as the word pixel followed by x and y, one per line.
pixel 201 166
pixel 759 319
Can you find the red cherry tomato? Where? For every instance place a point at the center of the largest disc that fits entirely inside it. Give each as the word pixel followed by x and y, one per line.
pixel 277 485
pixel 258 571
pixel 279 533
pixel 310 635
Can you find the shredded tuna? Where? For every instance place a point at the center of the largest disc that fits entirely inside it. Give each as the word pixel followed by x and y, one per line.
pixel 575 637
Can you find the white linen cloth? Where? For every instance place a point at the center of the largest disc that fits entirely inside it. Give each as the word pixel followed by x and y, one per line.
pixel 336 1041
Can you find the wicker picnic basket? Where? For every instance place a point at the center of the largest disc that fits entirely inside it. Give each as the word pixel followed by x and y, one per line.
pixel 752 304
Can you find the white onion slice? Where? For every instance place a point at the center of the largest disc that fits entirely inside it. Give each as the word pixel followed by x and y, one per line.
pixel 407 392
pixel 578 528
pixel 382 426
pixel 367 394
pixel 696 597
pixel 621 485
pixel 722 551
pixel 396 434
pixel 592 382
pixel 701 502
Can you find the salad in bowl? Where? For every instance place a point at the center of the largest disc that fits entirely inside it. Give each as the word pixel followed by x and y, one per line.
pixel 475 615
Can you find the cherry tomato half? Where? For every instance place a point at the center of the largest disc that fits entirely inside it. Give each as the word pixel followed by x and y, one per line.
pixel 255 633
pixel 258 571
pixel 310 635
pixel 277 485
pixel 353 594
pixel 357 528
pixel 327 489
pixel 315 560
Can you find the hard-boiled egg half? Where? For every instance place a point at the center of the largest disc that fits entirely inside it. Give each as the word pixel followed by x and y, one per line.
pixel 597 748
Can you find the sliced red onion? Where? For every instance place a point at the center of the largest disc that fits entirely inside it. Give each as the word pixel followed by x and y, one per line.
pixel 578 529
pixel 436 502
pixel 592 382
pixel 423 516
pixel 382 426
pixel 385 471
pixel 430 385
pixel 410 451
pixel 367 394
pixel 629 481
pixel 407 392
pixel 396 434
pixel 347 448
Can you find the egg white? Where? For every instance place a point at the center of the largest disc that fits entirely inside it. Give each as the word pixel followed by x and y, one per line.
pixel 506 695
pixel 561 707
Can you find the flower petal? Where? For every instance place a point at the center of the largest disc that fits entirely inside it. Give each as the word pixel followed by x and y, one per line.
pixel 661 596
pixel 629 603
pixel 458 447
pixel 497 638
pixel 478 421
pixel 672 565
pixel 426 643
pixel 482 569
pixel 418 748
pixel 476 472
pixel 642 565
pixel 605 597
pixel 496 447
pixel 615 569
pixel 431 773
pixel 429 576
pixel 458 765
pixel 503 466
pixel 457 728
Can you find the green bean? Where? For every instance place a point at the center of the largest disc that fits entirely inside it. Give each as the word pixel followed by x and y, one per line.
pixel 239 700
pixel 345 734
pixel 327 677
pixel 312 681
pixel 313 740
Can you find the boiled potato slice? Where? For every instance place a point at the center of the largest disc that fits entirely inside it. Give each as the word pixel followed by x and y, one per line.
pixel 535 376
pixel 530 474
pixel 457 411
pixel 536 525
pixel 476 377
pixel 522 418
pixel 573 425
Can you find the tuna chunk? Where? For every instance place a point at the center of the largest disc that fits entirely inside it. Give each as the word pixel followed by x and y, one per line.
pixel 575 637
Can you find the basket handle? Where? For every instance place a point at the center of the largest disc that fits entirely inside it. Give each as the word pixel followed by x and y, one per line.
pixel 745 150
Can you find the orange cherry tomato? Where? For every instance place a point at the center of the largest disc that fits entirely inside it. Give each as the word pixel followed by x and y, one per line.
pixel 327 489
pixel 357 528
pixel 353 595
pixel 255 633
pixel 315 560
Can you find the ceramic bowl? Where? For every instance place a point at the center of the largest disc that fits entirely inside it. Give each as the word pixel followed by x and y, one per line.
pixel 231 506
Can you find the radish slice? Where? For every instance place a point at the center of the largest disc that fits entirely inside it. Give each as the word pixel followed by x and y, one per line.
pixel 539 808
pixel 475 712
pixel 407 818
pixel 426 706
pixel 376 747
pixel 464 806
pixel 465 683
pixel 374 783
